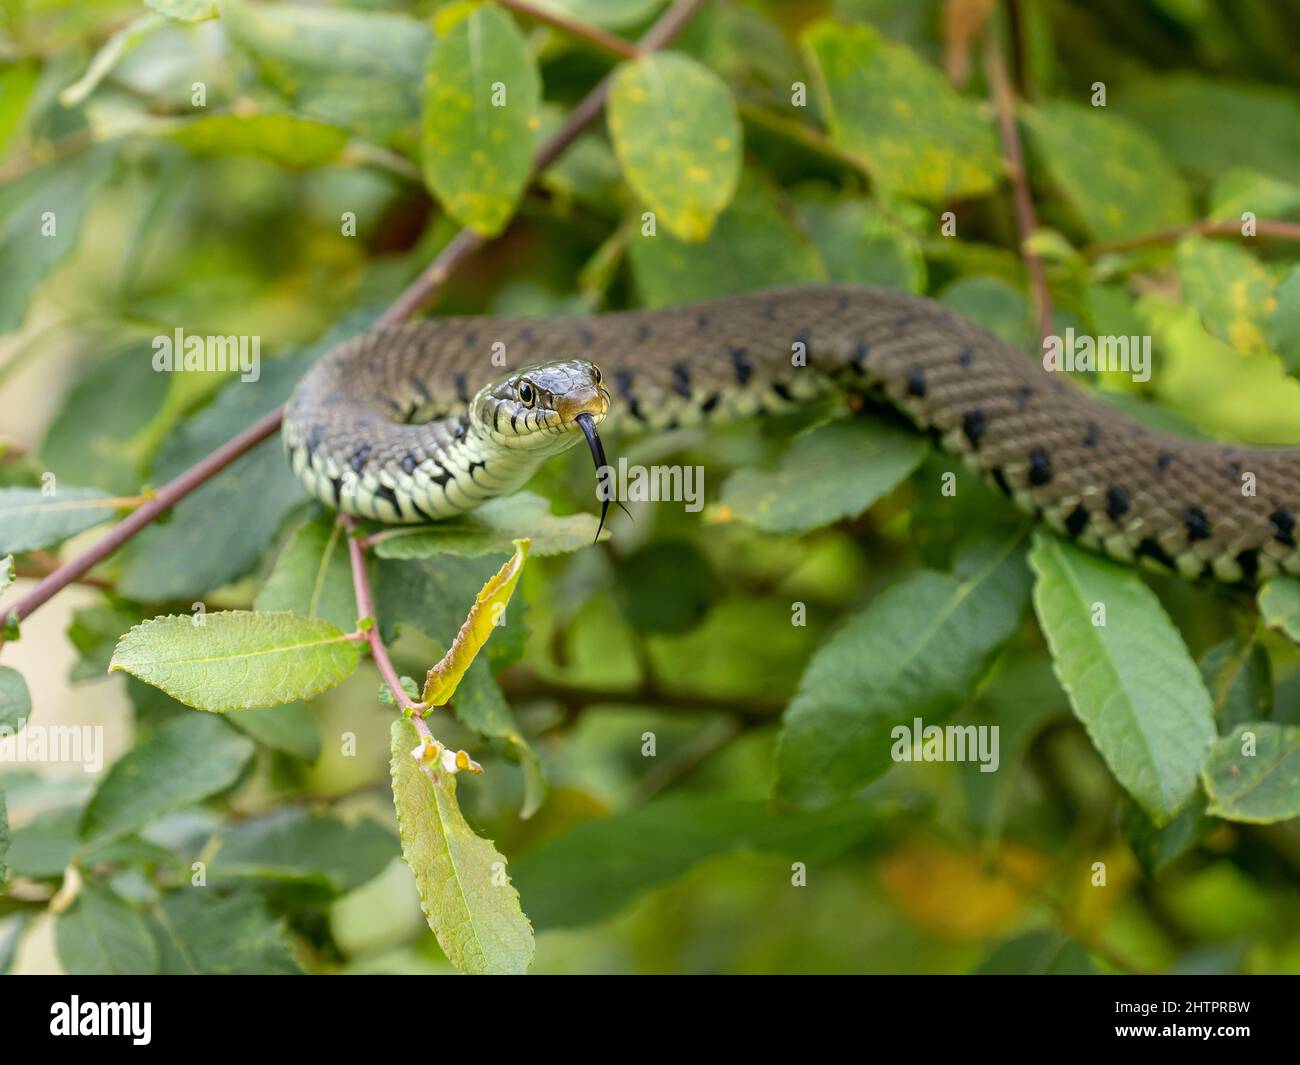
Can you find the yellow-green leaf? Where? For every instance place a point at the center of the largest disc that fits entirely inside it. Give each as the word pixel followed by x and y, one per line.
pixel 677 137
pixel 899 117
pixel 465 894
pixel 443 678
pixel 480 121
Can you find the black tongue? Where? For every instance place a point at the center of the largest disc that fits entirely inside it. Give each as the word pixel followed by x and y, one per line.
pixel 588 425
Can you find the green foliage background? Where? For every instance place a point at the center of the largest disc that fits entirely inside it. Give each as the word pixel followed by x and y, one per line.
pixel 1119 746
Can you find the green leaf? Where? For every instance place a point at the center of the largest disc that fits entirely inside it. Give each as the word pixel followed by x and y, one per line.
pixel 487 609
pixel 102 935
pixel 858 242
pixel 608 14
pixel 1279 605
pixel 93 439
pixel 829 473
pixel 492 529
pixel 997 306
pixel 594 870
pixel 17 80
pixel 1253 775
pixel 1128 187
pixel 237 659
pixel 1232 291
pixel 1159 847
pixel 241 508
pixel 51 200
pixel 290 729
pixel 295 143
pixel 185 10
pixel 678 138
pixel 1239 680
pixel 122 43
pixel 305 848
pixel 359 69
pixel 464 892
pixel 754 245
pixel 481 115
pixel 15 701
pixel 1284 323
pixel 43 847
pixel 917 651
pixel 1131 680
pixel 31 519
pixel 899 117
pixel 1041 953
pixel 1209 125
pixel 313 576
pixel 1239 191
pixel 198 932
pixel 187 759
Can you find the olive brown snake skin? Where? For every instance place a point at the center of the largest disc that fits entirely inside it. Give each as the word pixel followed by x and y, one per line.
pixel 428 419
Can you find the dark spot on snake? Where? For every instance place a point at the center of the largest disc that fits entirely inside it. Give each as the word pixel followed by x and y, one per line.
pixel 587 336
pixel 1091 437
pixel 702 321
pixel 1022 395
pixel 916 382
pixel 1233 471
pixel 462 427
pixel 1000 479
pixel 842 304
pixel 441 477
pixel 1077 521
pixel 313 439
pixel 383 491
pixel 769 309
pixel 623 382
pixel 471 338
pixel 462 387
pixel 682 379
pixel 1163 461
pixel 973 424
pixel 1150 548
pixel 421 511
pixel 1198 525
pixel 420 387
pixel 409 463
pixel 373 366
pixel 860 354
pixel 1117 502
pixel 642 333
pixel 477 464
pixel 1283 521
pixel 1040 467
pixel 337 484
pixel 709 404
pixel 526 334
pixel 744 368
pixel 1249 562
pixel 781 390
pixel 965 357
pixel 514 425
pixel 905 321
pixel 359 457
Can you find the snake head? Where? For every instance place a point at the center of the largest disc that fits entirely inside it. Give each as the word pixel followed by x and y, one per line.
pixel 541 406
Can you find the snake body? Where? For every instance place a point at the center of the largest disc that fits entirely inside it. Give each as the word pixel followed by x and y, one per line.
pixel 425 420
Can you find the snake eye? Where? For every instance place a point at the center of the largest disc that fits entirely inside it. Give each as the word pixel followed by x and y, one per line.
pixel 527 395
pixel 597 374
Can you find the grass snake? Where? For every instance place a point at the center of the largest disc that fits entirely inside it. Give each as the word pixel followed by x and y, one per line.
pixel 428 419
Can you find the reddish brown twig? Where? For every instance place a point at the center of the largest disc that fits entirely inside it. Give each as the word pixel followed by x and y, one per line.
pixel 1264 227
pixel 591 34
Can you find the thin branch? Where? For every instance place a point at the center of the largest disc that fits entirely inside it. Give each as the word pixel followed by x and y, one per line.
pixel 1264 227
pixel 423 289
pixel 167 497
pixel 520 684
pixel 591 34
pixel 1004 104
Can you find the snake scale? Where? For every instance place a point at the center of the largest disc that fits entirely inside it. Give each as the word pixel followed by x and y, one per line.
pixel 427 419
